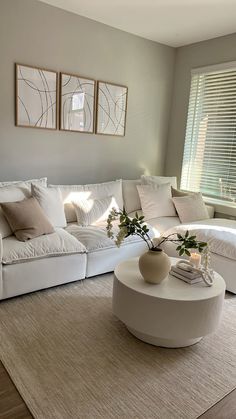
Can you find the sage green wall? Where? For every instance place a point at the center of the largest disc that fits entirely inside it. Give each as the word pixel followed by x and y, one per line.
pixel 204 53
pixel 37 34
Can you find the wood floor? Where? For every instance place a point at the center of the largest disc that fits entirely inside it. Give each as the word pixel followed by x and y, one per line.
pixel 12 405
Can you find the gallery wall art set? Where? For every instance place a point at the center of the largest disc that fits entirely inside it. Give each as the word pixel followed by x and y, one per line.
pixel 85 105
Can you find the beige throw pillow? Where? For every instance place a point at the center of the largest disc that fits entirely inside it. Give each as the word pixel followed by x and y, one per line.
pixel 94 211
pixel 178 193
pixel 156 201
pixel 26 219
pixel 12 192
pixel 50 200
pixel 191 208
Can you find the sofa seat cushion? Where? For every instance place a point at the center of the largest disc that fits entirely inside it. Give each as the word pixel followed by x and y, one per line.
pixel 59 243
pixel 219 233
pixel 95 238
pixel 161 224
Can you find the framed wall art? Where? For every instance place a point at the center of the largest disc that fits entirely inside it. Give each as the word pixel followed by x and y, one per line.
pixel 77 101
pixel 35 97
pixel 111 109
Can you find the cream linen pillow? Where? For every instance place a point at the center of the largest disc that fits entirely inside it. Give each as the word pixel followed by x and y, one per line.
pixel 191 208
pixel 50 200
pixel 26 219
pixel 94 211
pixel 12 192
pixel 156 201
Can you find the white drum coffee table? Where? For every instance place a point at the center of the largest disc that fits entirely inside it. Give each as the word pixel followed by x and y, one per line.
pixel 173 313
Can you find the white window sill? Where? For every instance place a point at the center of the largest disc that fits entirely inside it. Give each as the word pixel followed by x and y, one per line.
pixel 222 207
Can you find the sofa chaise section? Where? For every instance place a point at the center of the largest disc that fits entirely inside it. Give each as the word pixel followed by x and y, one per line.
pixel 220 234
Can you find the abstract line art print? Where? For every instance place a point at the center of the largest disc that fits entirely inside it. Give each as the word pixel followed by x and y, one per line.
pixel 77 95
pixel 111 109
pixel 36 97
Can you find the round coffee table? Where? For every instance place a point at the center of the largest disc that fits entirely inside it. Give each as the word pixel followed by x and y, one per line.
pixel 173 313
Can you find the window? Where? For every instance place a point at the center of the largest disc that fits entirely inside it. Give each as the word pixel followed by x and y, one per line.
pixel 209 161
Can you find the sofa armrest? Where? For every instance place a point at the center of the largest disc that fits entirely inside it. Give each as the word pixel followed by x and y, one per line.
pixel 211 210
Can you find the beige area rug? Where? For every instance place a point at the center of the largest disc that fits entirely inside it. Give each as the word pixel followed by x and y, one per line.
pixel 71 358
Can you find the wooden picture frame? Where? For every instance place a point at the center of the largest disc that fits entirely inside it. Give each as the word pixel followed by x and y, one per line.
pixel 77 103
pixel 111 109
pixel 36 97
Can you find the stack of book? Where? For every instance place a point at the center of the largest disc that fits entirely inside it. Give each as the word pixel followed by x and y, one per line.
pixel 186 274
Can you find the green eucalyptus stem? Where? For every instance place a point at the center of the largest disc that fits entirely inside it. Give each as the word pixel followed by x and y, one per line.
pixel 136 226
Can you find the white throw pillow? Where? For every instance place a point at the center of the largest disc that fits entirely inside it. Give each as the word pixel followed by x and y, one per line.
pixel 51 202
pixel 130 195
pixel 94 211
pixel 191 208
pixel 156 201
pixel 159 180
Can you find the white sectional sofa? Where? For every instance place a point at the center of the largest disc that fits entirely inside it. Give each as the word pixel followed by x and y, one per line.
pixel 75 252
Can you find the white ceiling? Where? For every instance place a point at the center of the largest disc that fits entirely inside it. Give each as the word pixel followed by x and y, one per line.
pixel 171 22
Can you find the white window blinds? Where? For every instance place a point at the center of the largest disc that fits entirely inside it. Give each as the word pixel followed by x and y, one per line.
pixel 209 161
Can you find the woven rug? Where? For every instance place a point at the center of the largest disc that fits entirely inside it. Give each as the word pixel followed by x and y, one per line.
pixel 69 357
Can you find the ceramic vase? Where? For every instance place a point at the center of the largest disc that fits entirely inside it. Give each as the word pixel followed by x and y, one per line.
pixel 154 266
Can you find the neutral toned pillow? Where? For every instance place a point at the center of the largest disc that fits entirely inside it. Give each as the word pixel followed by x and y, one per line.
pixel 130 195
pixel 159 180
pixel 26 219
pixel 156 201
pixel 50 200
pixel 191 208
pixel 94 211
pixel 12 192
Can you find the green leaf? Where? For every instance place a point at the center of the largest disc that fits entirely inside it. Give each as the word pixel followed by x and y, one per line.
pixel 187 252
pixel 181 252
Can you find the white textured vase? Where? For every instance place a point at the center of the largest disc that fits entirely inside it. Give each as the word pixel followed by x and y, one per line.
pixel 154 266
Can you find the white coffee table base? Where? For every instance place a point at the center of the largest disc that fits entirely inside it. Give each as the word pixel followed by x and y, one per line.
pixel 173 313
pixel 165 343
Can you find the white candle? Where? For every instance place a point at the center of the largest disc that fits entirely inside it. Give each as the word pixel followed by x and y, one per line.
pixel 195 260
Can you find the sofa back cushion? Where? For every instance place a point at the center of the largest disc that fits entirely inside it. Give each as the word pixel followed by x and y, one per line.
pixel 103 190
pixel 42 181
pixel 26 219
pixel 94 211
pixel 130 194
pixel 76 193
pixel 50 200
pixel 12 192
pixel 69 193
pixel 159 180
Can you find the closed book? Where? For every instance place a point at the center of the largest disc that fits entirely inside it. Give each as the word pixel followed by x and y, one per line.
pixel 189 281
pixel 184 272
